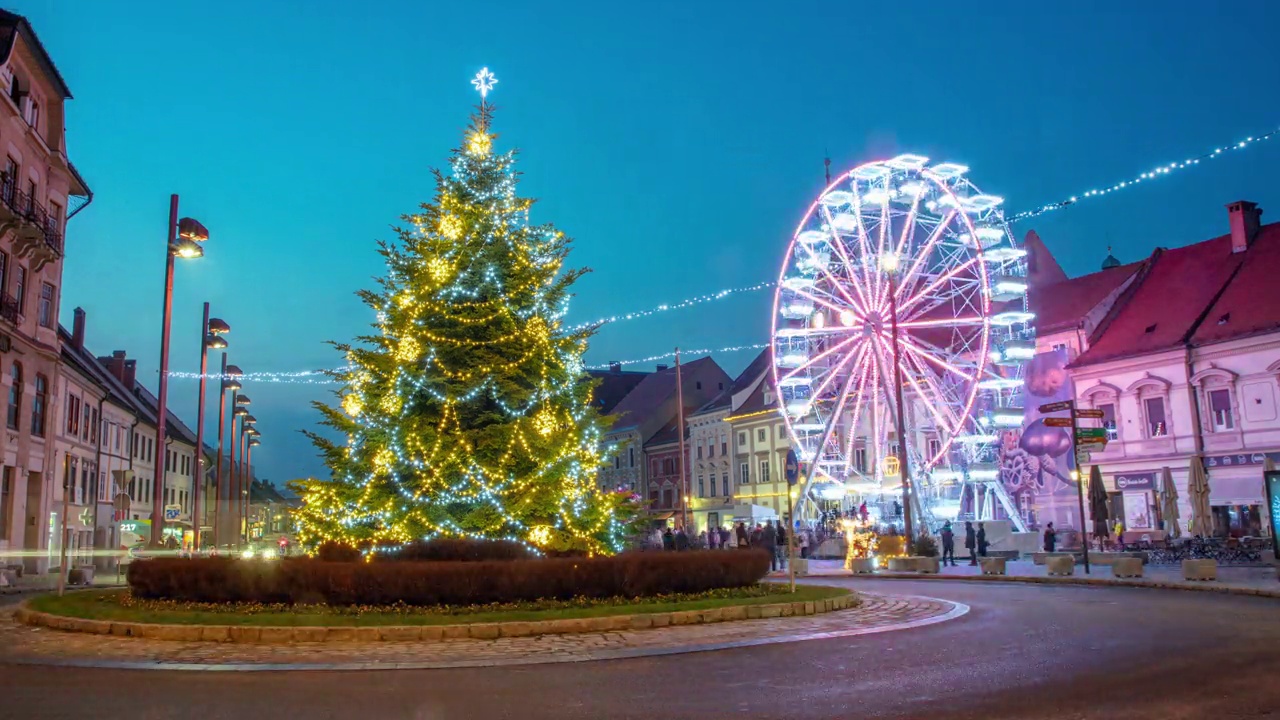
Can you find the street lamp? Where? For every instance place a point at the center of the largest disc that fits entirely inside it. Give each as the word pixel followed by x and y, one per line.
pixel 889 265
pixel 211 331
pixel 238 410
pixel 184 240
pixel 230 381
pixel 243 480
pixel 253 442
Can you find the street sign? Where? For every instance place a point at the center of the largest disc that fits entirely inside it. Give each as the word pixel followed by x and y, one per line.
pixel 792 468
pixel 1088 434
pixel 171 512
pixel 1089 414
pixel 1082 457
pixel 1058 422
pixel 1057 406
pixel 1090 447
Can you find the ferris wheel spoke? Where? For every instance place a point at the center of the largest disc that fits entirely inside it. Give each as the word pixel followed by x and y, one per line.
pixel 943 322
pixel 807 364
pixel 837 242
pixel 834 371
pixel 865 365
pixel 831 424
pixel 912 301
pixel 923 255
pixel 921 354
pixel 829 303
pixel 930 395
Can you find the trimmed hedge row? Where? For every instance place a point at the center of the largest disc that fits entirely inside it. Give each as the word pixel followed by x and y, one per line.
pixel 457 550
pixel 308 581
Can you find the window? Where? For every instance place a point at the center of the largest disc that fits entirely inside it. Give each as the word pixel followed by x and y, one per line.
pixel 84 428
pixel 860 459
pixel 1156 425
pixel 46 305
pixel 745 470
pixel 935 447
pixel 724 446
pixel 55 217
pixel 782 432
pixel 698 385
pixel 15 396
pixel 93 432
pixel 33 114
pixel 761 435
pixel 38 405
pixel 119 432
pixel 11 172
pixel 1109 421
pixel 6 497
pixel 73 415
pixel 69 480
pixel 20 289
pixel 699 450
pixel 764 471
pixel 1220 409
pixel 742 440
pixel 83 494
pixel 711 448
pixel 617 462
pixel 4 272
pixel 31 194
pixel 631 457
pixel 135 445
pixel 724 480
pixel 668 467
pixel 702 486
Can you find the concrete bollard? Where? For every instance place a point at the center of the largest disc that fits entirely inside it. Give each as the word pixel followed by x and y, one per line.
pixel 1203 569
pixel 861 566
pixel 1061 565
pixel 902 564
pixel 1126 567
pixel 926 565
pixel 993 565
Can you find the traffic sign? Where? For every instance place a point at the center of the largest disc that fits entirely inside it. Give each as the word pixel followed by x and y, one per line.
pixel 1057 406
pixel 1091 447
pixel 1089 414
pixel 171 512
pixel 1091 434
pixel 1082 457
pixel 1058 422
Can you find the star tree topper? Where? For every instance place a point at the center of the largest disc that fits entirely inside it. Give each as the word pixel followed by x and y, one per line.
pixel 484 82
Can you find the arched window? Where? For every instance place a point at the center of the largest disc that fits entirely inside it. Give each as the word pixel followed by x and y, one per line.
pixel 15 396
pixel 1153 404
pixel 1105 397
pixel 38 406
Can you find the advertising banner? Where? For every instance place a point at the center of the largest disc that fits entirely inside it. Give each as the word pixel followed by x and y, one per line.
pixel 1036 461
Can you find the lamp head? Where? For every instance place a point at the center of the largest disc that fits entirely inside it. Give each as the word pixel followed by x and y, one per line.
pixel 193 230
pixel 243 400
pixel 185 248
pixel 218 327
pixel 213 342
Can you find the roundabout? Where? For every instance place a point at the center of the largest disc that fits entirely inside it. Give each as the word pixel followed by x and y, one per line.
pixel 1021 651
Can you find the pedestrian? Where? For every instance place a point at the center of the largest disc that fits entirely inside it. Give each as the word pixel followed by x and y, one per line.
pixel 782 549
pixel 970 542
pixel 863 512
pixel 897 509
pixel 702 540
pixel 769 541
pixel 682 540
pixel 1119 534
pixel 741 531
pixel 729 538
pixel 668 540
pixel 1050 538
pixel 656 538
pixel 948 544
pixel 803 538
pixel 982 540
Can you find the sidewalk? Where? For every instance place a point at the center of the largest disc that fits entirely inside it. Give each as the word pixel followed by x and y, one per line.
pixel 1246 580
pixel 48 582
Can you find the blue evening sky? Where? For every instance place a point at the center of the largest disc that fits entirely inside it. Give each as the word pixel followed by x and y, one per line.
pixel 678 142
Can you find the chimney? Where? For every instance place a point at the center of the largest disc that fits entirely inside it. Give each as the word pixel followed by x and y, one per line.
pixel 114 364
pixel 615 367
pixel 130 374
pixel 77 329
pixel 1246 219
pixel 661 367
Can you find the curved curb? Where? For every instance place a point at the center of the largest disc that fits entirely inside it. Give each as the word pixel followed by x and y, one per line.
pixel 1205 586
pixel 957 610
pixel 428 633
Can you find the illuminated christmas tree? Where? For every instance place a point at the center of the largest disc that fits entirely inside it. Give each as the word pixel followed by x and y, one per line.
pixel 468 413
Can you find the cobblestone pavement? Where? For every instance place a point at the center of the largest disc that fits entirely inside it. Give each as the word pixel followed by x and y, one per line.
pixel 878 613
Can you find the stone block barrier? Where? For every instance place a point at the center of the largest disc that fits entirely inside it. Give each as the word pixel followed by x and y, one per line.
pixel 1061 565
pixel 1130 567
pixel 1200 570
pixel 927 565
pixel 861 566
pixel 429 633
pixel 993 565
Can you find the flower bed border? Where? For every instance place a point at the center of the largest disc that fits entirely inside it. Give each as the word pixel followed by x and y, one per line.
pixel 428 633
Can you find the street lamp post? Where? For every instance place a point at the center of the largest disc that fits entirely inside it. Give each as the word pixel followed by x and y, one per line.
pixel 253 442
pixel 889 264
pixel 211 330
pixel 222 493
pixel 184 238
pixel 242 509
pixel 233 475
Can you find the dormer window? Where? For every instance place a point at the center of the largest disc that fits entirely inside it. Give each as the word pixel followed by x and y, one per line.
pixel 33 114
pixel 16 93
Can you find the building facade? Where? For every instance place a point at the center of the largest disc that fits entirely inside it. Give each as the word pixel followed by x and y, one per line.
pixel 38 185
pixel 710 456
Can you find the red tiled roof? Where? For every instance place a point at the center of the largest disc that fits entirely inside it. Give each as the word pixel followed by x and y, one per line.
pixel 665 435
pixel 1164 305
pixel 1064 304
pixel 613 387
pixel 1251 302
pixel 755 401
pixel 651 393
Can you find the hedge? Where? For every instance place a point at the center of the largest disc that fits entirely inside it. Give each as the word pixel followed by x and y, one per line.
pixel 457 550
pixel 309 581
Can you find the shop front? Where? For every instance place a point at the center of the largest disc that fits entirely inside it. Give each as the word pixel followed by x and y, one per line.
pixel 1237 494
pixel 1134 502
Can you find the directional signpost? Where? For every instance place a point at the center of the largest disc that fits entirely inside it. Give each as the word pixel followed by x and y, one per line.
pixel 1057 406
pixel 792 472
pixel 1084 446
pixel 1089 414
pixel 1059 422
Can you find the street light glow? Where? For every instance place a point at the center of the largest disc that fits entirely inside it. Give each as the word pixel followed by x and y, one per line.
pixel 889 262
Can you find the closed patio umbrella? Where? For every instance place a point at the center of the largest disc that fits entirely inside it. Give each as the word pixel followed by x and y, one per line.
pixel 1169 504
pixel 1198 494
pixel 1098 503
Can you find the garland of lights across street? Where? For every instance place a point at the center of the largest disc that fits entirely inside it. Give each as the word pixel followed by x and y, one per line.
pixel 902 238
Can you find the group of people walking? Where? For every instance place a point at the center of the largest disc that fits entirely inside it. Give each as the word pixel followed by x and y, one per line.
pixel 769 536
pixel 975 541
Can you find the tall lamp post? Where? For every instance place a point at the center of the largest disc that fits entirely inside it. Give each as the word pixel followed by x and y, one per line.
pixel 222 496
pixel 211 331
pixel 184 238
pixel 253 442
pixel 247 428
pixel 889 265
pixel 233 496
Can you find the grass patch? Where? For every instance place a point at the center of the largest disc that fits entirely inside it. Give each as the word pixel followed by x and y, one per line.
pixel 119 605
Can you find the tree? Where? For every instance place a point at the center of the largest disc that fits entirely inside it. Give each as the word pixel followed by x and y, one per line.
pixel 468 413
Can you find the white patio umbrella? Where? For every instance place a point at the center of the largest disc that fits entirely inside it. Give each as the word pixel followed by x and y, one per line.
pixel 1169 504
pixel 1198 494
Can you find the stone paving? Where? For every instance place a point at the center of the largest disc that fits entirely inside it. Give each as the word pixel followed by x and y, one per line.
pixel 878 613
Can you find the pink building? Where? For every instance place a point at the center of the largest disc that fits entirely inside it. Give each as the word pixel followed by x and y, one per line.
pixel 38 185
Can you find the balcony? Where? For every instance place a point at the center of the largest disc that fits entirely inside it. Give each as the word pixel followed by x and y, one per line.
pixel 37 236
pixel 8 308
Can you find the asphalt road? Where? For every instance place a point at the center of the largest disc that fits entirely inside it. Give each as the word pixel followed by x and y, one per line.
pixel 1024 651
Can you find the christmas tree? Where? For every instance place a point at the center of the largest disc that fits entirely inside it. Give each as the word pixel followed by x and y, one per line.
pixel 468 413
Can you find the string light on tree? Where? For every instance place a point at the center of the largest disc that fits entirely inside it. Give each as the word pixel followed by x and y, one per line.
pixel 465 414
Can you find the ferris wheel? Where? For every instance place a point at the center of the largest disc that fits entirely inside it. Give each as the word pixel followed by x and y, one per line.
pixel 902 291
